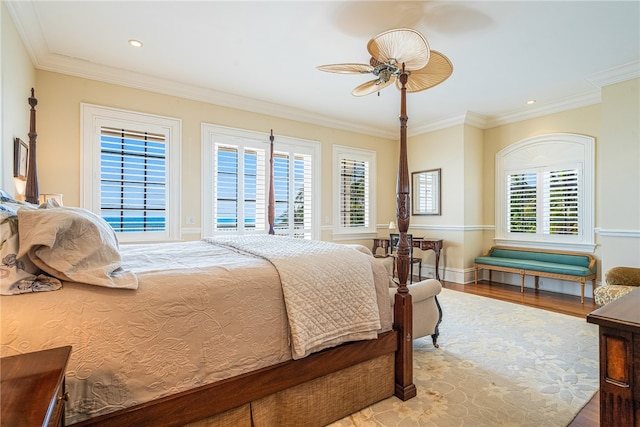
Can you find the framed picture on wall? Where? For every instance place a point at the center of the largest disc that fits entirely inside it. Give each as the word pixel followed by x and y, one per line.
pixel 426 192
pixel 20 157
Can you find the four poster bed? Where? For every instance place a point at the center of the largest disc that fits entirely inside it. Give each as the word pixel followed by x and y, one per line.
pixel 214 332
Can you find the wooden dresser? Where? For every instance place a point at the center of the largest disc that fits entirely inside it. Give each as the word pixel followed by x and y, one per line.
pixel 32 388
pixel 619 325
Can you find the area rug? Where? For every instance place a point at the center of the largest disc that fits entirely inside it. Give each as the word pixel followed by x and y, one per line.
pixel 499 364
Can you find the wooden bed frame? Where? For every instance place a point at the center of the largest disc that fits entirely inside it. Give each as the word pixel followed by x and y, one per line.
pixel 209 400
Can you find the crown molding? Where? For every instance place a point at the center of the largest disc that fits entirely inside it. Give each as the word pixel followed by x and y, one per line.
pixel 24 16
pixel 83 69
pixel 615 75
pixel 487 122
pixel 569 103
pixel 468 118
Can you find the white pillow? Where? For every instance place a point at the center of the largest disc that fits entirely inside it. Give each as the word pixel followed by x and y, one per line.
pixel 18 275
pixel 73 244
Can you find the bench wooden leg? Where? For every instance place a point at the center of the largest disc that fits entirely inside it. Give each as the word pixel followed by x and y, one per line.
pixel 582 291
pixel 537 281
pixel 522 282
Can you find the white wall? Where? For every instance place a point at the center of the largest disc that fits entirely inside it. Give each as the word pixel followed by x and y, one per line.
pixel 618 180
pixel 18 77
pixel 467 223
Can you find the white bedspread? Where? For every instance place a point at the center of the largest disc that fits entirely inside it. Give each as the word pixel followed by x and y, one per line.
pixel 313 271
pixel 201 313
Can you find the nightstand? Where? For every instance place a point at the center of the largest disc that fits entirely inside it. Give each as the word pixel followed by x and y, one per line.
pixel 32 388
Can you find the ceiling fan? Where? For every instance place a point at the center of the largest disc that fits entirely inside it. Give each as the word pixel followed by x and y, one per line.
pixel 393 53
pixel 401 56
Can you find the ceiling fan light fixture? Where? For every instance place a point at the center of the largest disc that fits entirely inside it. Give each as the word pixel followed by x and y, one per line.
pixel 394 53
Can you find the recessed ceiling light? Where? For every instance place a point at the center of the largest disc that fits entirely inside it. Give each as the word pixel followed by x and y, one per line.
pixel 531 101
pixel 135 43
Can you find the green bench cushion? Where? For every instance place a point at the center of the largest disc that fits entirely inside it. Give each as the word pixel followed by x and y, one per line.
pixel 567 259
pixel 547 267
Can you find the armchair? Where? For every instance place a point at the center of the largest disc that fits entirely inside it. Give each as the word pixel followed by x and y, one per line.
pixel 619 281
pixel 427 313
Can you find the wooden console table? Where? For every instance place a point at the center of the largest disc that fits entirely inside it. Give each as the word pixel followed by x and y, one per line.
pixel 421 243
pixel 619 325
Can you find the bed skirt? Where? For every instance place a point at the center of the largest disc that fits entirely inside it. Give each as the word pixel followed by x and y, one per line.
pixel 317 402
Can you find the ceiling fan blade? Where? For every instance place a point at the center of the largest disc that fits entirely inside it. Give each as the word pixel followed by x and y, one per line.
pixel 402 46
pixel 371 87
pixel 437 70
pixel 346 68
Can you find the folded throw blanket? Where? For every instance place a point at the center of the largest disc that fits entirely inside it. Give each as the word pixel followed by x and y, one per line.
pixel 328 288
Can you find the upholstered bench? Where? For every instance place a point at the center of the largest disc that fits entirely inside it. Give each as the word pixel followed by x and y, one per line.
pixel 619 281
pixel 560 265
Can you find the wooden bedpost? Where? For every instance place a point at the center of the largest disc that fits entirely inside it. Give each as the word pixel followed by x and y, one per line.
pixel 403 308
pixel 32 194
pixel 272 198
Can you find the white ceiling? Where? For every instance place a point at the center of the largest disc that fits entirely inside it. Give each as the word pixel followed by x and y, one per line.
pixel 261 56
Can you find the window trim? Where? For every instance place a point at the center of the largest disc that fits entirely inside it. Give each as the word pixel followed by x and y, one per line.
pixel 544 151
pixel 343 152
pixel 211 134
pixel 92 118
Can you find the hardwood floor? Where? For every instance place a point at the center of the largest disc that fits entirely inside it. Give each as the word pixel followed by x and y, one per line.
pixel 589 416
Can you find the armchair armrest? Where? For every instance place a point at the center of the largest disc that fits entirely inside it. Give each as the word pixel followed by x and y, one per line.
pixel 420 290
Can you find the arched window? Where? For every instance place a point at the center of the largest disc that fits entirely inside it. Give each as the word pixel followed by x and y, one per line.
pixel 545 192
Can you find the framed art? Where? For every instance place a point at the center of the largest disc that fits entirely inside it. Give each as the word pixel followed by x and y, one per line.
pixel 20 158
pixel 426 192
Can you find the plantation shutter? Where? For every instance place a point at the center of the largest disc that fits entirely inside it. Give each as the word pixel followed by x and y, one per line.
pixel 522 201
pixel 293 194
pixel 281 191
pixel 354 193
pixel 239 189
pixel 302 202
pixel 133 180
pixel 561 201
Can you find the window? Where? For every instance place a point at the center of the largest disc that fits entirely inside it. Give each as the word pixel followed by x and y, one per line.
pixel 131 172
pixel 544 192
pixel 239 188
pixel 236 182
pixel 354 189
pixel 559 202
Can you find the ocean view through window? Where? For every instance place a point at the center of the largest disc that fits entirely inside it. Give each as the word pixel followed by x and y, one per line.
pixel 133 180
pixel 131 172
pixel 236 182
